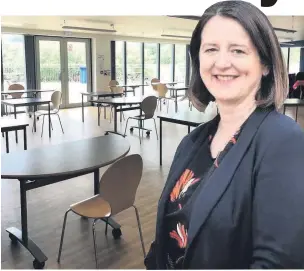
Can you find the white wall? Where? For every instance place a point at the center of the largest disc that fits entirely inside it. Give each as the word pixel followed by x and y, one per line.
pixel 101 45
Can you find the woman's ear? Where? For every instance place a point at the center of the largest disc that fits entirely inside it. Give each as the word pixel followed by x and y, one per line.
pixel 265 71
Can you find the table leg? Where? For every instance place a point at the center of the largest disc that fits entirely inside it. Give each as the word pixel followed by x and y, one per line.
pixel 188 129
pixel 15 112
pixel 297 113
pixel 120 114
pixel 160 140
pixel 35 109
pixel 16 135
pixel 24 138
pixel 98 112
pixel 22 236
pixel 82 109
pixel 115 118
pixel 96 182
pixel 284 109
pixel 49 106
pixel 7 142
pixel 176 101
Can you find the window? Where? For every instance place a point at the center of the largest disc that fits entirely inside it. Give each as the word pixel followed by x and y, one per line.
pixel 285 56
pixel 150 57
pixel 180 63
pixel 13 54
pixel 166 62
pixel 294 59
pixel 119 61
pixel 134 66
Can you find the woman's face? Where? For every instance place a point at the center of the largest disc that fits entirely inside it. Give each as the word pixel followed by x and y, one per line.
pixel 230 66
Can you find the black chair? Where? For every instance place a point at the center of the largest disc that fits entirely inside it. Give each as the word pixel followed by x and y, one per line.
pixel 299 90
pixel 148 107
pixel 292 80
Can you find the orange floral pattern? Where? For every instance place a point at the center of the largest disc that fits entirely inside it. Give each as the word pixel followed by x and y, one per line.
pixel 180 235
pixel 182 185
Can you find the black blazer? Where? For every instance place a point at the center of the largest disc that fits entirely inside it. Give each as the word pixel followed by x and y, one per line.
pixel 250 212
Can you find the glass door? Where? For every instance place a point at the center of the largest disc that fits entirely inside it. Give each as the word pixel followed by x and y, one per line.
pixel 78 69
pixel 63 64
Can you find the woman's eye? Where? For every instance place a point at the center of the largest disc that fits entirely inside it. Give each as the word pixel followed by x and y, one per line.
pixel 210 50
pixel 237 51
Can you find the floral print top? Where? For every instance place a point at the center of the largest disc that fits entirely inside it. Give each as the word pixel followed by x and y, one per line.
pixel 178 208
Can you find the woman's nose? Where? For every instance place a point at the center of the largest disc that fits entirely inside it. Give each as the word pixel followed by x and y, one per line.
pixel 222 61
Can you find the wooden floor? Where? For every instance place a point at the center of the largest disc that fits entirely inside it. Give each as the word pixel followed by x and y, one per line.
pixel 47 205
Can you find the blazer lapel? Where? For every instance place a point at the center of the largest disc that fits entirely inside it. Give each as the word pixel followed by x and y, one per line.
pixel 217 183
pixel 177 169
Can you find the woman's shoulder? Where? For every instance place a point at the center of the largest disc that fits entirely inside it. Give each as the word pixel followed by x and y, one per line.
pixel 279 131
pixel 278 125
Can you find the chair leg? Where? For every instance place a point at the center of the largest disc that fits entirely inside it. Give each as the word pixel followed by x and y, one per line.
pixel 140 232
pixel 60 123
pixel 139 131
pixel 111 113
pixel 51 124
pixel 106 230
pixel 33 123
pixel 42 125
pixel 126 127
pixel 155 128
pixel 142 124
pixel 62 234
pixel 94 240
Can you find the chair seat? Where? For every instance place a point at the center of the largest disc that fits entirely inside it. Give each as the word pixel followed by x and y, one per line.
pixel 46 112
pixel 139 117
pixel 94 207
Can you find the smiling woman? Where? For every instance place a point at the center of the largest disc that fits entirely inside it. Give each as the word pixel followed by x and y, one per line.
pixel 235 182
pixel 237 40
pixel 230 64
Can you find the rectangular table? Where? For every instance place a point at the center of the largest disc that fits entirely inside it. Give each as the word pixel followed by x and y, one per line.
pixel 118 103
pixel 32 91
pixel 29 102
pixel 8 125
pixel 175 90
pixel 188 118
pixel 134 86
pixel 293 103
pixel 97 94
pixel 23 91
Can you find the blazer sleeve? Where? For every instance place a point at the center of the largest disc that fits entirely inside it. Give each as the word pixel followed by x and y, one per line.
pixel 278 202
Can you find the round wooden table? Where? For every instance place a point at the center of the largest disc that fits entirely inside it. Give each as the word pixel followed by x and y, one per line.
pixel 55 163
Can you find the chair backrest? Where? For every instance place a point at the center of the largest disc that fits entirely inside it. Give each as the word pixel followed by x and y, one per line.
pixel 117 89
pixel 16 87
pixel 148 106
pixel 291 79
pixel 118 185
pixel 162 90
pixel 113 83
pixel 300 76
pixel 154 80
pixel 56 99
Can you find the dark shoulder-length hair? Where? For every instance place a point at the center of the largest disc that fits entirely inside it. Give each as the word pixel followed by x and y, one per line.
pixel 274 86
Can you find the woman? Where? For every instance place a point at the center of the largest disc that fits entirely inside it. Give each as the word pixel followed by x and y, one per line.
pixel 235 191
